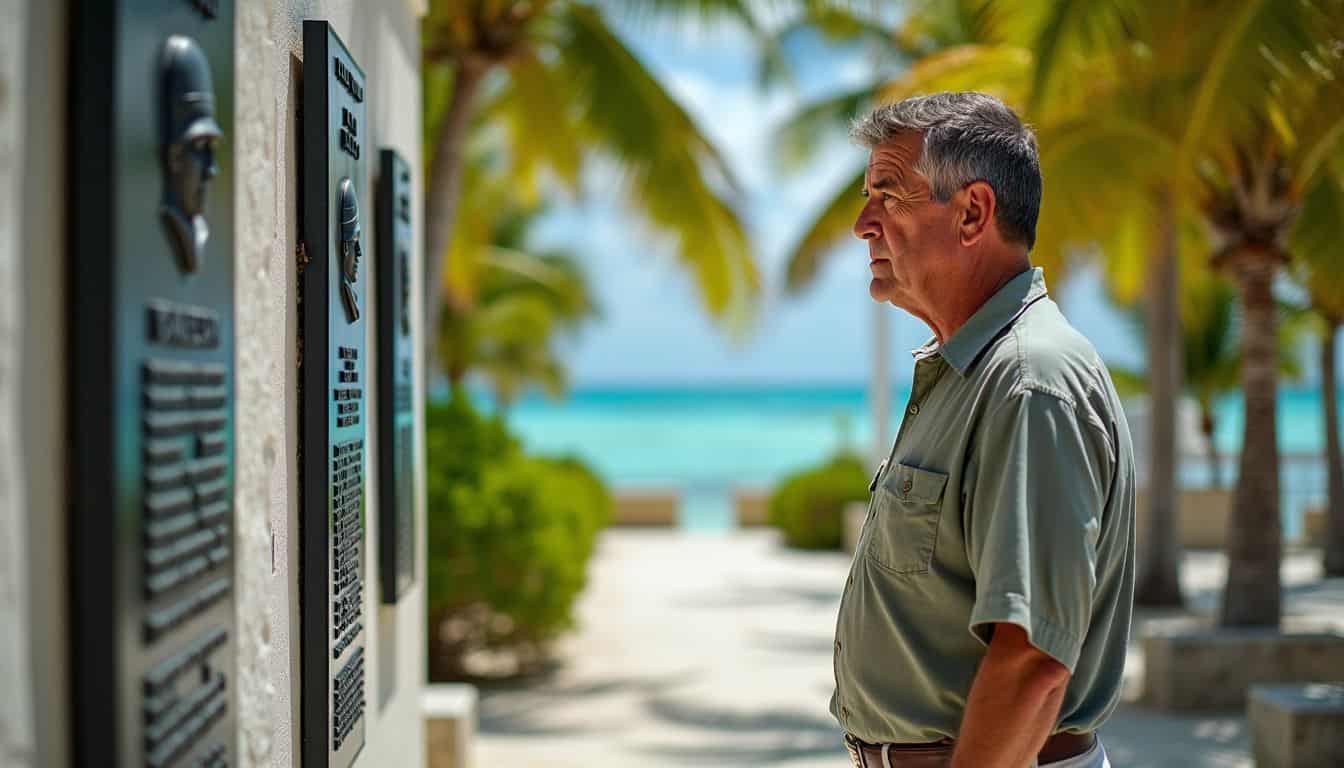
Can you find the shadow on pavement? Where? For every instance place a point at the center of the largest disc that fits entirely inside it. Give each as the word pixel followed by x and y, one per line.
pixel 757 738
pixel 533 710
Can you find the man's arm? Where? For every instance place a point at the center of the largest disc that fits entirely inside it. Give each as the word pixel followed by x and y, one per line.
pixel 1013 703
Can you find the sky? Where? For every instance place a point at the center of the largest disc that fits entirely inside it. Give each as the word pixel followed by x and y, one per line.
pixel 653 328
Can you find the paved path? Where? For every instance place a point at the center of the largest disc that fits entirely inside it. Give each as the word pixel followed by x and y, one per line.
pixel 713 650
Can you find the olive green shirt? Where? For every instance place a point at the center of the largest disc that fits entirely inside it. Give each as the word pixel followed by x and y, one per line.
pixel 1007 497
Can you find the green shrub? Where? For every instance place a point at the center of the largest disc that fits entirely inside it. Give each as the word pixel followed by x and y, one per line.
pixel 510 537
pixel 809 506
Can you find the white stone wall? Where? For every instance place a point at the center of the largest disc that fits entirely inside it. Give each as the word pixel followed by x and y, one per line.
pixel 34 723
pixel 384 38
pixel 33 730
pixel 16 718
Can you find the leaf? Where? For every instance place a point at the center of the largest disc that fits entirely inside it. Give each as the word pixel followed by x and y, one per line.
pixel 1000 70
pixel 1317 245
pixel 832 226
pixel 671 172
pixel 799 136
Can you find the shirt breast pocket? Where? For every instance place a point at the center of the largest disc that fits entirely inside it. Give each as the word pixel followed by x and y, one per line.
pixel 907 506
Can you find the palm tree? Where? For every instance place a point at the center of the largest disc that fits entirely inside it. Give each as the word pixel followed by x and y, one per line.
pixel 564 87
pixel 1319 268
pixel 1254 194
pixel 1212 359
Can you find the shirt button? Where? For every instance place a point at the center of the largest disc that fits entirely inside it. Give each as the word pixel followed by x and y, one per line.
pixel 906 486
pixel 914 409
pixel 844 711
pixel 837 646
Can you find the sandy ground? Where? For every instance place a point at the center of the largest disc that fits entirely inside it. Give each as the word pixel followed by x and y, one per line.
pixel 715 650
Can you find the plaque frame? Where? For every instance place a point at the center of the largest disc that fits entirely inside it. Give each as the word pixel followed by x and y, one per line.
pixel 149 263
pixel 333 283
pixel 397 466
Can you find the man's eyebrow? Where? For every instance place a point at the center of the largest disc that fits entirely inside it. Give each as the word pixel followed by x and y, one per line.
pixel 885 182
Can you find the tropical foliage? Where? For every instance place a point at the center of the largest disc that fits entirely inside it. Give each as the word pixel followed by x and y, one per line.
pixel 1318 265
pixel 510 537
pixel 555 87
pixel 525 301
pixel 809 506
pixel 1212 354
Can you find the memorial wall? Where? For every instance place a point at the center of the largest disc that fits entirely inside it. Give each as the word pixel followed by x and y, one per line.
pixel 208 384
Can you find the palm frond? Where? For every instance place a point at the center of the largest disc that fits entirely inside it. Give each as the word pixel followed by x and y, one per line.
pixel 1317 245
pixel 832 226
pixel 1001 70
pixel 706 12
pixel 671 170
pixel 1253 44
pixel 1070 35
pixel 796 140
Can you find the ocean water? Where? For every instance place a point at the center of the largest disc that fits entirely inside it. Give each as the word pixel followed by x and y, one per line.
pixel 707 440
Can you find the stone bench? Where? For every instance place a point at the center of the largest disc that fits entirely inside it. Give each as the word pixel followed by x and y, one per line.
pixel 1210 669
pixel 751 506
pixel 1297 726
pixel 450 724
pixel 646 507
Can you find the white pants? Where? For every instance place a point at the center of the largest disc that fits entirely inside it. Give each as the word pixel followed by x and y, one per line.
pixel 1092 758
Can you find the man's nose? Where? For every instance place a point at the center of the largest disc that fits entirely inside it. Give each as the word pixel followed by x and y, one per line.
pixel 866 226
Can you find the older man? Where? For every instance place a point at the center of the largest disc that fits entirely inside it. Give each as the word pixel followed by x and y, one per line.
pixel 986 613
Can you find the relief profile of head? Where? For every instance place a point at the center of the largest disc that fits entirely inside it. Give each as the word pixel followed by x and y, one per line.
pixel 350 249
pixel 188 137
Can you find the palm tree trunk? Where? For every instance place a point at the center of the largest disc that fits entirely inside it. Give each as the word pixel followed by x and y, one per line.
pixel 1208 425
pixel 1159 582
pixel 1334 516
pixel 445 189
pixel 1254 539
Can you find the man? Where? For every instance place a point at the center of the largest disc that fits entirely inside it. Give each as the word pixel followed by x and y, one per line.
pixel 987 609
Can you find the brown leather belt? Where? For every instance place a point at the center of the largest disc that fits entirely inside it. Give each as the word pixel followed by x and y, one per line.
pixel 937 754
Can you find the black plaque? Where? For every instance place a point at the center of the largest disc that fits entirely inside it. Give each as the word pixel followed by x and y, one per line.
pixel 332 403
pixel 396 363
pixel 151 415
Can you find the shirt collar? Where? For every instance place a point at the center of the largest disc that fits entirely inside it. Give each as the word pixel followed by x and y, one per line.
pixel 999 312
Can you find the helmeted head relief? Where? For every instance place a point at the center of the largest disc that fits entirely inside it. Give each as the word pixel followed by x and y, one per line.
pixel 188 135
pixel 350 251
pixel 189 111
pixel 350 230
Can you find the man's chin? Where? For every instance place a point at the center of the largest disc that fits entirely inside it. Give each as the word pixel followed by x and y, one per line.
pixel 881 290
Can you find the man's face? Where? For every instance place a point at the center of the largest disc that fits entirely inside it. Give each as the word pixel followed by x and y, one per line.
pixel 911 236
pixel 193 164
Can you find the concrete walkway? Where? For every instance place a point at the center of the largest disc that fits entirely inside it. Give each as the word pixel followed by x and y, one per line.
pixel 710 650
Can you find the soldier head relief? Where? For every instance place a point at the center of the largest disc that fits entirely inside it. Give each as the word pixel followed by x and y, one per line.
pixel 188 135
pixel 350 251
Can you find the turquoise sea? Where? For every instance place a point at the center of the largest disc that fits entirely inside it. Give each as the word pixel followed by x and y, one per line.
pixel 706 440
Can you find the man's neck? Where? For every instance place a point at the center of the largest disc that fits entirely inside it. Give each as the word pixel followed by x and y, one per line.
pixel 971 294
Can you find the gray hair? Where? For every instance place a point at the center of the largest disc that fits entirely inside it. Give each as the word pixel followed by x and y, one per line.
pixel 968 137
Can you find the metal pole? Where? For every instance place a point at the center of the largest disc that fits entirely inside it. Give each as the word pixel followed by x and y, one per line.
pixel 879 391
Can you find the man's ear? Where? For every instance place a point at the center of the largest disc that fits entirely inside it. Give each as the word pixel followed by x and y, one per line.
pixel 977 212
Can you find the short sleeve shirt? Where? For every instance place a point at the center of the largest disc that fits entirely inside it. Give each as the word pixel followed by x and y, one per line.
pixel 1008 497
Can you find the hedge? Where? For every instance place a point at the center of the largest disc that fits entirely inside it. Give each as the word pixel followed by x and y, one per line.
pixel 510 537
pixel 809 506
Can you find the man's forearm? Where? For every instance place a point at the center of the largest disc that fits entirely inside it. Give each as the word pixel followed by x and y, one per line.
pixel 1012 706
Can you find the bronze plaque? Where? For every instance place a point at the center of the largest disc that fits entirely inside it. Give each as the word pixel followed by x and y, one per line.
pixel 332 321
pixel 396 373
pixel 151 386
